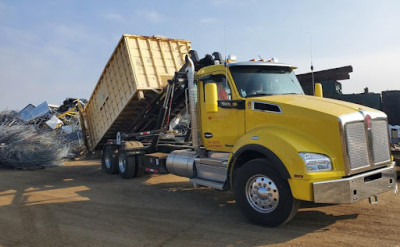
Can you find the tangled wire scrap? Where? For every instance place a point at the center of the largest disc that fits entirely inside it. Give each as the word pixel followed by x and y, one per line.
pixel 29 147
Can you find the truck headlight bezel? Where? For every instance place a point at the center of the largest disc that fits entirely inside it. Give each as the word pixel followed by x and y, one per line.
pixel 315 162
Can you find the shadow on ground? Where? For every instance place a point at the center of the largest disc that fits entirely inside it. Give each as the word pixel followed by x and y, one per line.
pixel 81 205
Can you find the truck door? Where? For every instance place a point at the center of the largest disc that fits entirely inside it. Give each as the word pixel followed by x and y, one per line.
pixel 220 129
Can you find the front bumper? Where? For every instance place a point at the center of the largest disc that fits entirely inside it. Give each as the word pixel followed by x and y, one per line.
pixel 356 188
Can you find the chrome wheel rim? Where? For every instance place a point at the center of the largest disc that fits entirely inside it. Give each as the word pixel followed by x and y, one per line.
pixel 107 160
pixel 122 163
pixel 262 193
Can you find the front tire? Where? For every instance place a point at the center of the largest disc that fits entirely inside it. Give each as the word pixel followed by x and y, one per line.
pixel 263 195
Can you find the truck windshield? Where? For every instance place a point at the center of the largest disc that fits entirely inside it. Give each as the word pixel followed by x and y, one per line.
pixel 253 81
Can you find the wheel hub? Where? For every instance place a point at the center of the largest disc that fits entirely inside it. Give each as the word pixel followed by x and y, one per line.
pixel 262 193
pixel 107 161
pixel 122 163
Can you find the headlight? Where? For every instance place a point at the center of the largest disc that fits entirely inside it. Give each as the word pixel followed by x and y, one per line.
pixel 316 162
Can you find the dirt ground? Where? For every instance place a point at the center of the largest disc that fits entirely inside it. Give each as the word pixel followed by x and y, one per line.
pixel 79 205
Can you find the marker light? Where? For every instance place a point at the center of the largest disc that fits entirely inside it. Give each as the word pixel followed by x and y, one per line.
pixel 273 60
pixel 231 58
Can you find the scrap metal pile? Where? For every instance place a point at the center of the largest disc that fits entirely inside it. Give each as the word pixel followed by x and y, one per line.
pixel 40 136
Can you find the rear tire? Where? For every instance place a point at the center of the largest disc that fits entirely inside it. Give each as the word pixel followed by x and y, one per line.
pixel 126 165
pixel 140 170
pixel 109 160
pixel 263 195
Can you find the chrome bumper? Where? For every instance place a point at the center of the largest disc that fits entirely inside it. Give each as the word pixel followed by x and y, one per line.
pixel 356 188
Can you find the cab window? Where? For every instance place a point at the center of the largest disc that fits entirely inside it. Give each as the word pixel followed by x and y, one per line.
pixel 224 91
pixel 253 81
pixel 223 88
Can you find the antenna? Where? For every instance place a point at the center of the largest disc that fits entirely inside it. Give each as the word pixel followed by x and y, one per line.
pixel 225 62
pixel 312 69
pixel 225 41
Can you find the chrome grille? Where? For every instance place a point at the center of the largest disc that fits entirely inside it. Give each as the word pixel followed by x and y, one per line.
pixel 379 135
pixel 356 142
pixel 366 148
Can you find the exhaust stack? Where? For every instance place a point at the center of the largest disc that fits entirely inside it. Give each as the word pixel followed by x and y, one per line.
pixel 192 105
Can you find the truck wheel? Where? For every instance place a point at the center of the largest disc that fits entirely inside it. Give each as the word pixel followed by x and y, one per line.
pixel 126 165
pixel 263 195
pixel 140 170
pixel 109 160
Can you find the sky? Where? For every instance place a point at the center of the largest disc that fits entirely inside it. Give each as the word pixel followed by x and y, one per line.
pixel 51 50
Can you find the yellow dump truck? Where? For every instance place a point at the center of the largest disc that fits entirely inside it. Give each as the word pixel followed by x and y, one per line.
pixel 241 126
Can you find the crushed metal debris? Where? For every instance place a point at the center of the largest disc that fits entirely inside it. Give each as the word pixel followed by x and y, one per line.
pixel 41 136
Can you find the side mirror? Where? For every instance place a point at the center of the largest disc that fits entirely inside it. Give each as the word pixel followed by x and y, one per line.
pixel 318 90
pixel 211 97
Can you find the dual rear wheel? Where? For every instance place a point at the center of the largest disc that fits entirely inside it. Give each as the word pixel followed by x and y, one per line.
pixel 109 159
pixel 116 160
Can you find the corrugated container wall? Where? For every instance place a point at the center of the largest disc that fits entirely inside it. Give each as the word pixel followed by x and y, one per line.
pixel 138 64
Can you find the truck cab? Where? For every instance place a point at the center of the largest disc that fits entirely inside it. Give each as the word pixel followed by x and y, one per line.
pixel 283 147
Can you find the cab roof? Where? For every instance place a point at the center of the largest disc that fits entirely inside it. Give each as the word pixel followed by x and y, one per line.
pixel 260 63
